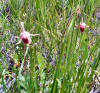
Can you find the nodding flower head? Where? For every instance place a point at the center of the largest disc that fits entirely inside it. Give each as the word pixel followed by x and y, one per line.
pixel 25 37
pixel 82 26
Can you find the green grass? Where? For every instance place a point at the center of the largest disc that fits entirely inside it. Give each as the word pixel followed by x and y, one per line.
pixel 72 52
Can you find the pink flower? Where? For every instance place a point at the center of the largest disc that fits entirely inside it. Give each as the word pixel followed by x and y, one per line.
pixel 82 26
pixel 25 37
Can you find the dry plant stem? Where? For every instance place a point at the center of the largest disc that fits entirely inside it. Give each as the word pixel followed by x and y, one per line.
pixel 22 64
pixel 24 57
pixel 82 19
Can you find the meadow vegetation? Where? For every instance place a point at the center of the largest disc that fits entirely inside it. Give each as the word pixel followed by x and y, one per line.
pixel 63 58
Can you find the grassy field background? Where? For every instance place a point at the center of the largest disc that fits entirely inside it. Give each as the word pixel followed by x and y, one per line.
pixel 62 59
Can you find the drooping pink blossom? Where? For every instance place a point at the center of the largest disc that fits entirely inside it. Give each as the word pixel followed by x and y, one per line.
pixel 24 35
pixel 82 26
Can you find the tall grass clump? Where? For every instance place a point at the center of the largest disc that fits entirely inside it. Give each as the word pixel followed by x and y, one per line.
pixel 63 58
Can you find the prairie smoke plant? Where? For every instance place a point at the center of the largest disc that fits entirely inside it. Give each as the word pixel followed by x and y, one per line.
pixel 82 26
pixel 24 35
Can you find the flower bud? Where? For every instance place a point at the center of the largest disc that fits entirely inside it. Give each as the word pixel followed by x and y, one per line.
pixel 25 37
pixel 82 26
